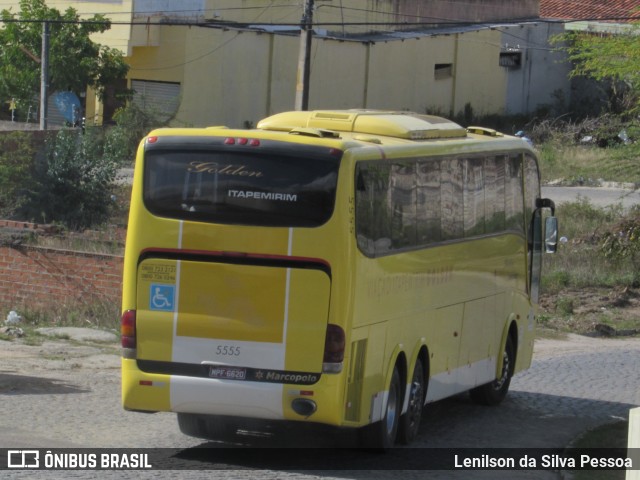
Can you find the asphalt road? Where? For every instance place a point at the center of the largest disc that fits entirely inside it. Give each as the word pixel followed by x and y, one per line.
pixel 60 395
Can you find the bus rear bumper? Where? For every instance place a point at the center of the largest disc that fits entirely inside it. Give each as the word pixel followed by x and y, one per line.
pixel 226 397
pixel 142 391
pixel 151 392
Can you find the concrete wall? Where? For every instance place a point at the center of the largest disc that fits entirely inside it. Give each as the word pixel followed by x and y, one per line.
pixel 544 71
pixel 372 11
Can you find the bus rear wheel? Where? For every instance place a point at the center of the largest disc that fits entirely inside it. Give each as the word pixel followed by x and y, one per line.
pixel 493 393
pixel 410 421
pixel 382 435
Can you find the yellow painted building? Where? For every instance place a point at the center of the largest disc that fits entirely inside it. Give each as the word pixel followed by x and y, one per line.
pixel 240 62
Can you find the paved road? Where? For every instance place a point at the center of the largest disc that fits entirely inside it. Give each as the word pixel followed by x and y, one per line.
pixel 598 196
pixel 59 395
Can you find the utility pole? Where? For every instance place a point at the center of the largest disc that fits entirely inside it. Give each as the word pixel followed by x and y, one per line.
pixel 304 57
pixel 44 76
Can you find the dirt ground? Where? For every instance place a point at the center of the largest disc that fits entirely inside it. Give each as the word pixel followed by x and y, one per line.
pixel 607 312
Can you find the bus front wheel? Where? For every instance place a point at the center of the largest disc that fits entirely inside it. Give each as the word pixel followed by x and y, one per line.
pixel 493 393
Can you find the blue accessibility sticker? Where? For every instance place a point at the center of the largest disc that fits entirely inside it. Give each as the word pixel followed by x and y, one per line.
pixel 162 297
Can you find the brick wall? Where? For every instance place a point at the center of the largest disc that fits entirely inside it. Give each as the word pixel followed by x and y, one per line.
pixel 40 277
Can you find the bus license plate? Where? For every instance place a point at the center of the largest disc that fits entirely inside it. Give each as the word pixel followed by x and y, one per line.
pixel 229 373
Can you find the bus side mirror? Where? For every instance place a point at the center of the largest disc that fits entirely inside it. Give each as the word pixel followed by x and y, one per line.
pixel 551 234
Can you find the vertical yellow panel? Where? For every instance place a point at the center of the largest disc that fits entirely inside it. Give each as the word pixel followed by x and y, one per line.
pixel 307 320
pixel 155 326
pixel 232 302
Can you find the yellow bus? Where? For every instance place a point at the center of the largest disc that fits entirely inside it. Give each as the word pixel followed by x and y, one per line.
pixel 343 268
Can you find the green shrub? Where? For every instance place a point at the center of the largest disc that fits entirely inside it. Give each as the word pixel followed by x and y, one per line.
pixel 74 185
pixel 16 167
pixel 132 124
pixel 621 244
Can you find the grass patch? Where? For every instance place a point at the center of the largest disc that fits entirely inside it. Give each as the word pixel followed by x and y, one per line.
pixel 583 261
pixel 33 339
pixel 591 284
pixel 584 165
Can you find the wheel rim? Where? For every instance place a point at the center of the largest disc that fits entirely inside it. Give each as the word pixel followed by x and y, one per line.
pixel 506 365
pixel 415 399
pixel 392 409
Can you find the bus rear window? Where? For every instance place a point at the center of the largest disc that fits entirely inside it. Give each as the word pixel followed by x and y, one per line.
pixel 241 188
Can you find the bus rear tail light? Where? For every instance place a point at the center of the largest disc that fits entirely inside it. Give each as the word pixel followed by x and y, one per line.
pixel 334 345
pixel 128 334
pixel 252 142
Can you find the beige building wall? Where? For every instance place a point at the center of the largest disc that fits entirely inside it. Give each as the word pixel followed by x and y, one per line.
pixel 401 75
pixel 282 89
pixel 117 11
pixel 338 75
pixel 235 78
pixel 226 77
pixel 480 80
pixel 165 62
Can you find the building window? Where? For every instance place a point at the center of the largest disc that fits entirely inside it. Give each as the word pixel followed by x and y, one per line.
pixel 442 71
pixel 511 58
pixel 162 98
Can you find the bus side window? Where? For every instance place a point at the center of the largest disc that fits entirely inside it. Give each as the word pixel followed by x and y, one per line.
pixel 428 202
pixel 373 219
pixel 514 204
pixel 494 194
pixel 361 185
pixel 452 198
pixel 402 202
pixel 474 197
pixel 532 192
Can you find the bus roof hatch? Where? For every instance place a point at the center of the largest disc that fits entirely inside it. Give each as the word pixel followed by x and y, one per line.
pixel 407 125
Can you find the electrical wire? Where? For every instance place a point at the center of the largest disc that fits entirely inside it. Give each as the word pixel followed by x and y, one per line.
pixel 214 24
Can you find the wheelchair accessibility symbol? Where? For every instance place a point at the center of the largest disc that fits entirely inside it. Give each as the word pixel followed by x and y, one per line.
pixel 162 297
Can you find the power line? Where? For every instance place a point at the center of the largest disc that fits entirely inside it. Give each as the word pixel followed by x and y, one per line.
pixel 227 24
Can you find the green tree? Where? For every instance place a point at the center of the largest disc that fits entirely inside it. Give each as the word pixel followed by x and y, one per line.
pixel 614 59
pixel 75 61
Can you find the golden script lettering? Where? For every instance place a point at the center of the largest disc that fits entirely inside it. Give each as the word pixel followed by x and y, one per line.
pixel 233 170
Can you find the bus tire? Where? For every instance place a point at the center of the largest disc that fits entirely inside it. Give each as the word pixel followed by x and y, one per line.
pixel 410 421
pixel 210 427
pixel 382 435
pixel 493 393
